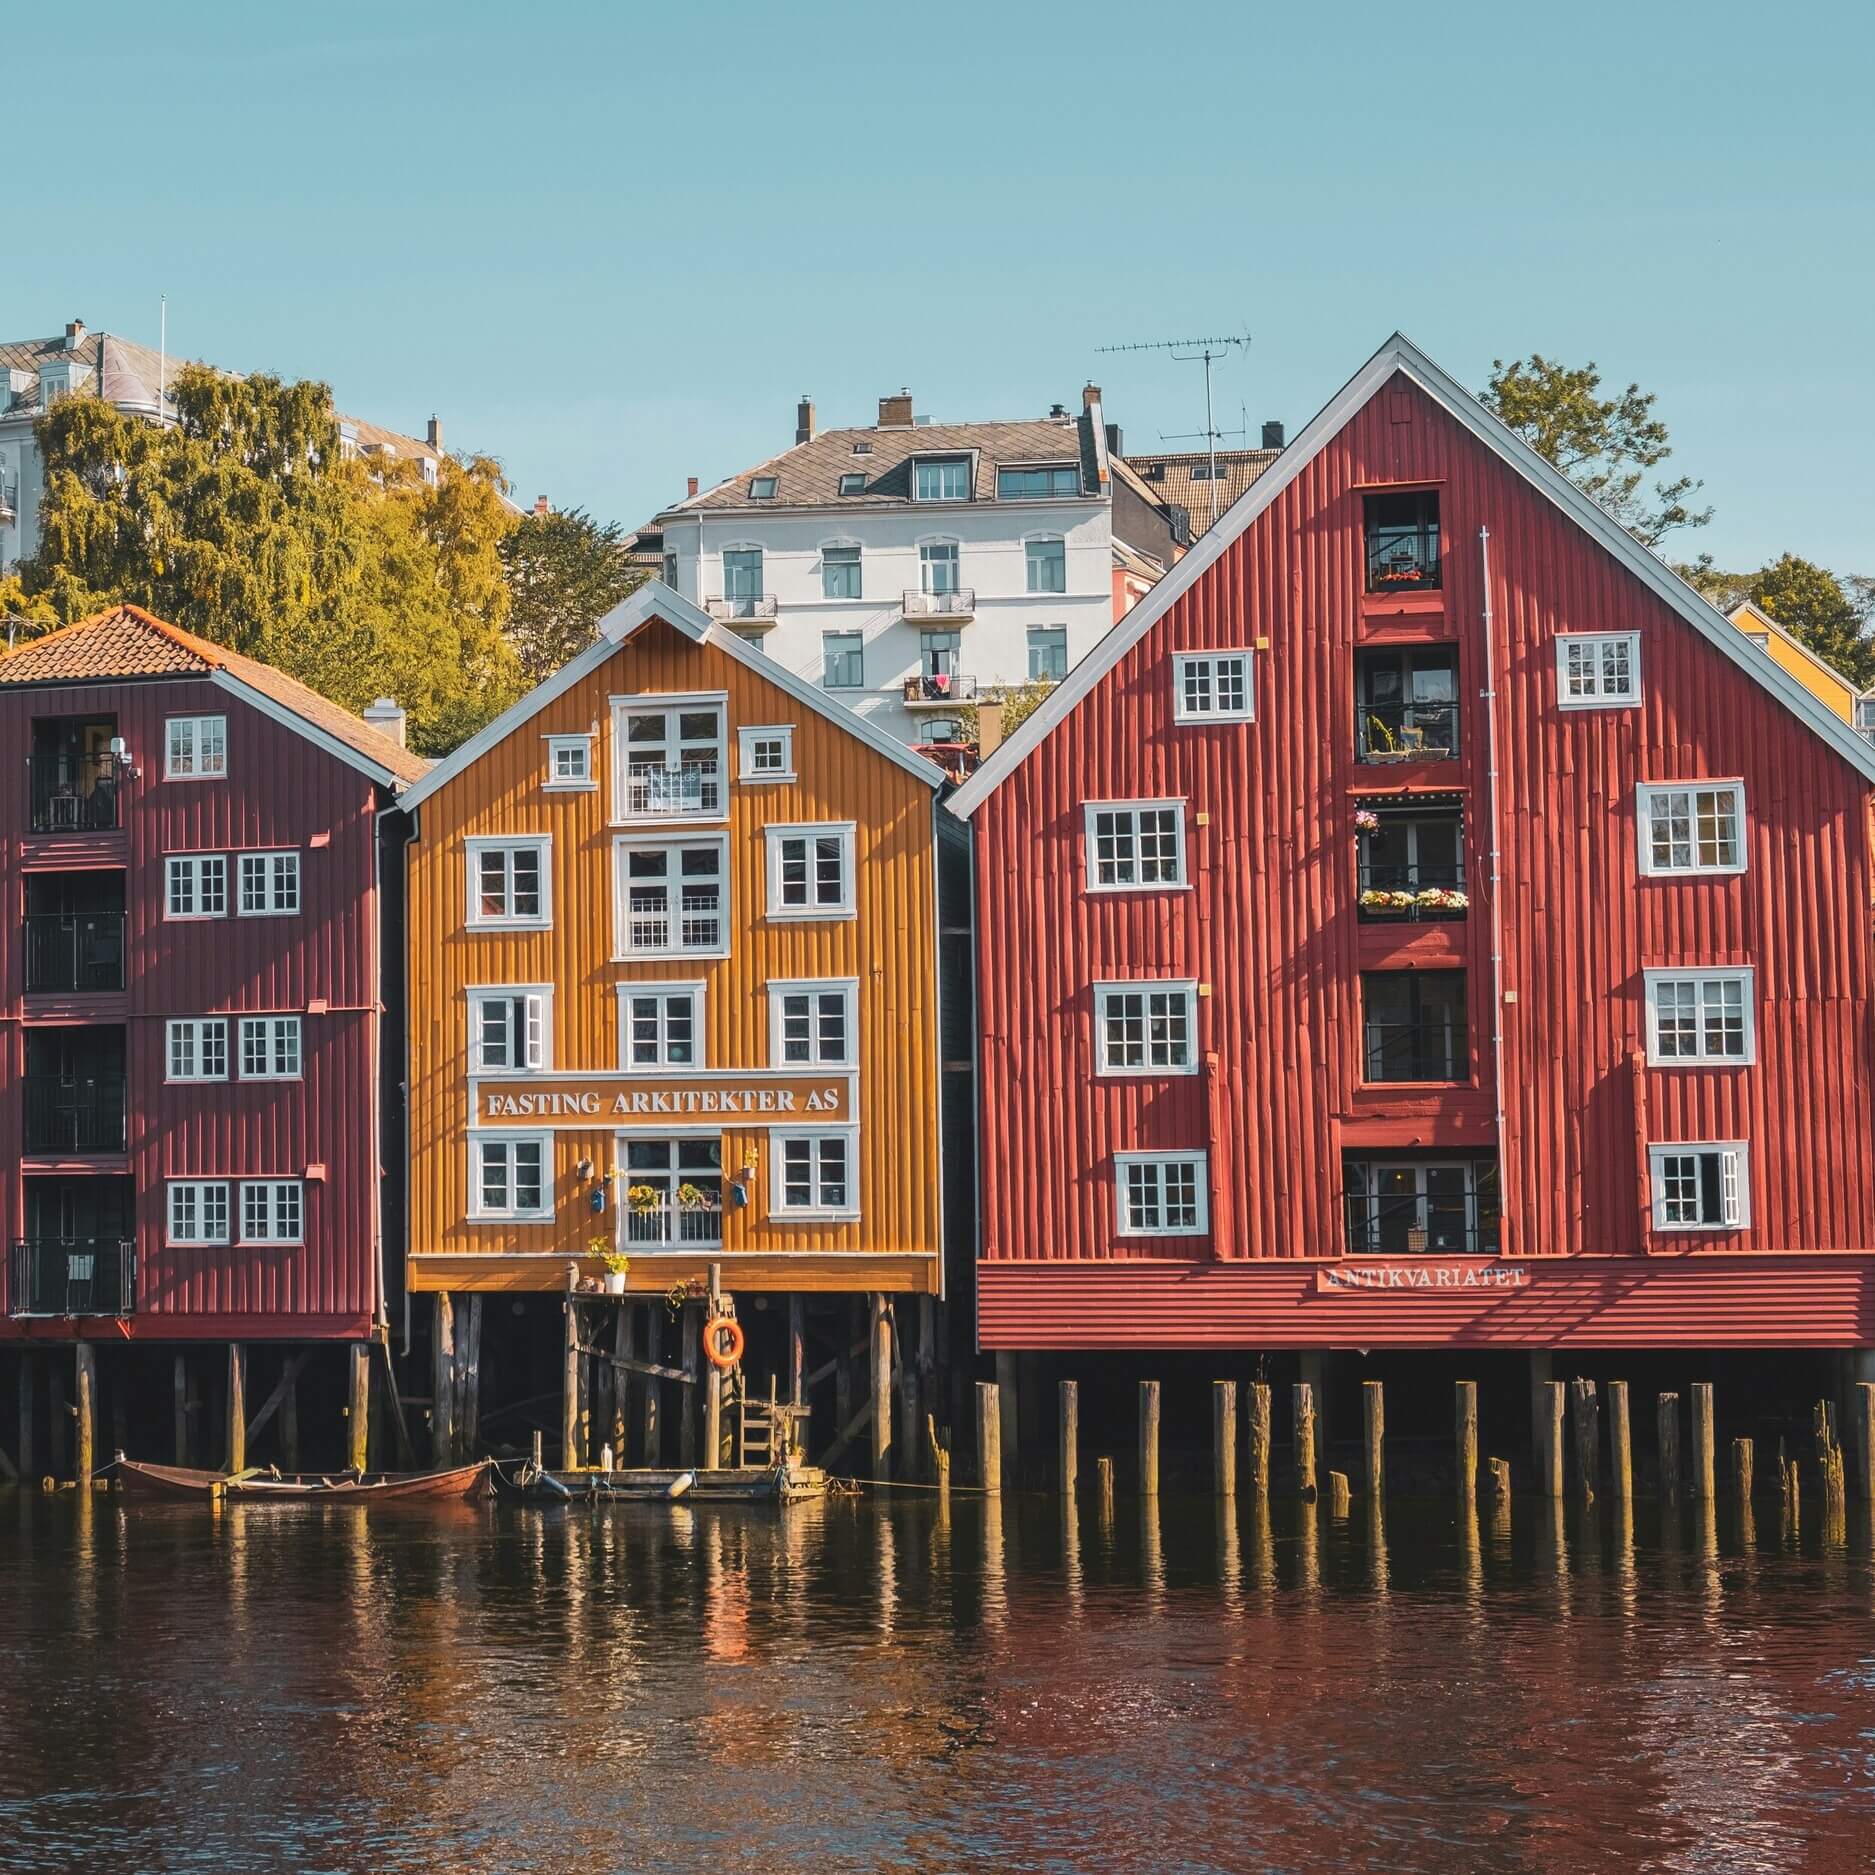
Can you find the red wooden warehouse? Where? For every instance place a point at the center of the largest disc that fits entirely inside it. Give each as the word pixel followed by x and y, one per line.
pixel 189 996
pixel 1422 922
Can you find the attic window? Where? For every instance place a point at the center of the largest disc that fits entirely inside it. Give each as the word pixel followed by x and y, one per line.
pixel 862 449
pixel 852 484
pixel 762 488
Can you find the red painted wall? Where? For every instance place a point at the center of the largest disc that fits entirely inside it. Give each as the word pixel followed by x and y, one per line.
pixel 1271 924
pixel 281 791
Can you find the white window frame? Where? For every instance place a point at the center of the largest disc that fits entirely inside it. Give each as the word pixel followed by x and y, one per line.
pixel 846 831
pixel 938 465
pixel 1201 1160
pixel 1645 794
pixel 508 1140
pixel 275 1189
pixel 586 781
pixel 195 1025
pixel 670 705
pixel 783 1213
pixel 1044 538
pixel 1104 1068
pixel 193 726
pixel 1598 699
pixel 672 842
pixel 478 844
pixel 1737 1203
pixel 746 739
pixel 779 989
pixel 1090 864
pixel 542 1021
pixel 192 866
pixel 1183 712
pixel 844 546
pixel 197 1238
pixel 269 859
pixel 663 988
pixel 1743 974
pixel 271 1025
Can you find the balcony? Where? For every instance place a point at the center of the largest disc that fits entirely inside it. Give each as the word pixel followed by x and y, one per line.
pixel 656 791
pixel 958 603
pixel 75 792
pixel 1402 537
pixel 1407 732
pixel 1421 1207
pixel 662 1226
pixel 69 1117
pixel 1422 894
pixel 945 690
pixel 74 952
pixel 72 1276
pixel 753 611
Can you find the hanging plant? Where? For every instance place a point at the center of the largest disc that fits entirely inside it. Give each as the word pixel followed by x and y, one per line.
pixel 693 1197
pixel 1366 820
pixel 643 1198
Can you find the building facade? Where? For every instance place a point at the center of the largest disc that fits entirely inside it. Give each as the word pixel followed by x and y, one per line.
pixel 190 1023
pixel 1425 922
pixel 1817 675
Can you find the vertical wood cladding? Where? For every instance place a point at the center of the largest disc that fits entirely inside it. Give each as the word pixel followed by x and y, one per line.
pixel 1272 922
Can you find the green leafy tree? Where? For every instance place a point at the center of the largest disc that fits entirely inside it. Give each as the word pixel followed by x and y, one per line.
pixel 1605 445
pixel 1019 702
pixel 565 573
pixel 1812 604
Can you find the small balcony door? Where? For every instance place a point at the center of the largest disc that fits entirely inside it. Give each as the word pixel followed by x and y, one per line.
pixel 1406 704
pixel 1405 1205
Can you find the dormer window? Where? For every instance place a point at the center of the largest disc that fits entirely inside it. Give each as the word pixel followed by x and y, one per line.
pixel 762 488
pixel 945 479
pixel 55 381
pixel 1037 484
pixel 852 484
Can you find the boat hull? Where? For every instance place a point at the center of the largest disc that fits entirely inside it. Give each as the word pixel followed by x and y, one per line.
pixel 176 1481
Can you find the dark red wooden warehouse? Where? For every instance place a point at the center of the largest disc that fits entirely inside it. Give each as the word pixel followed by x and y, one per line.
pixel 1424 922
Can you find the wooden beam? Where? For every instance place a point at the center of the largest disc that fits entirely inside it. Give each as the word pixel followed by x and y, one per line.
pixel 572 1448
pixel 827 1367
pixel 848 1433
pixel 881 1374
pixel 443 1381
pixel 179 1380
pixel 358 1406
pixel 289 1419
pixel 652 1393
pixel 797 1349
pixel 469 1375
pixel 85 1404
pixel 237 1407
pixel 406 1449
pixel 834 1273
pixel 288 1374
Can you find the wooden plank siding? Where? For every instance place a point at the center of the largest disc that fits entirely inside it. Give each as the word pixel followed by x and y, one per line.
pixel 889 947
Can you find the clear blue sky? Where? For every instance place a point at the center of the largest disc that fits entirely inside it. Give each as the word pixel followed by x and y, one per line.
pixel 613 244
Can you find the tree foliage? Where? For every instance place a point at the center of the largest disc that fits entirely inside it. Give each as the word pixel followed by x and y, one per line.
pixel 565 573
pixel 1605 445
pixel 1812 604
pixel 1019 702
pixel 245 524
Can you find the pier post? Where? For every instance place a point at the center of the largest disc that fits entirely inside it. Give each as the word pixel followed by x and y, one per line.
pixel 797 1350
pixel 58 1411
pixel 713 1389
pixel 691 1344
pixel 1620 1448
pixel 194 1408
pixel 939 1461
pixel 1465 1434
pixel 1149 1438
pixel 1497 1479
pixel 237 1406
pixel 289 1417
pixel 1339 1496
pixel 1829 1456
pixel 1702 1478
pixel 179 1382
pixel 1552 1445
pixel 85 1401
pixel 1103 1487
pixel 928 1331
pixel 624 1347
pixel 1302 1398
pixel 1374 1406
pixel 650 1395
pixel 910 1418
pixel 1667 1434
pixel 1741 1470
pixel 1257 1413
pixel 1863 1422
pixel 881 1389
pixel 1314 1364
pixel 1009 1405
pixel 1541 1363
pixel 989 1439
pixel 1788 1489
pixel 469 1367
pixel 1584 1421
pixel 1070 1437
pixel 1224 1436
pixel 27 1369
pixel 572 1447
pixel 443 1375
pixel 358 1411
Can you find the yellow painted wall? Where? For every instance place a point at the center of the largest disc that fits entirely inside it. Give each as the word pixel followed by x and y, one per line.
pixel 1817 677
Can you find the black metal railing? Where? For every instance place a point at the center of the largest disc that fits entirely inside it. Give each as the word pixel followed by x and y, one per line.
pixel 941 687
pixel 1419 892
pixel 75 950
pixel 1430 1049
pixel 72 1276
pixel 1403 559
pixel 75 792
pixel 1406 732
pixel 75 1114
pixel 1420 1226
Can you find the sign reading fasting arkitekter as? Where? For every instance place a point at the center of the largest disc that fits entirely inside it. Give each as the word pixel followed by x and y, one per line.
pixel 729 1096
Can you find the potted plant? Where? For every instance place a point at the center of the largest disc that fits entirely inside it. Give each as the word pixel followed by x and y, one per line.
pixel 1442 898
pixel 1388 898
pixel 643 1199
pixel 1366 820
pixel 693 1197
pixel 617 1266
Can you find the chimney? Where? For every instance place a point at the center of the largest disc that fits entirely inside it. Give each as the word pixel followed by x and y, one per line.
pixel 989 730
pixel 433 435
pixel 693 485
pixel 895 412
pixel 1114 440
pixel 1090 396
pixel 540 506
pixel 74 334
pixel 804 420
pixel 1272 435
pixel 387 719
pixel 1057 410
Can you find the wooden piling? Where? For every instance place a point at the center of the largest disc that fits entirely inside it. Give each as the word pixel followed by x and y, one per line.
pixel 1550 1444
pixel 690 1359
pixel 797 1351
pixel 1787 1487
pixel 289 1418
pixel 1702 1479
pixel 1829 1462
pixel 1302 1404
pixel 1497 1479
pixel 1862 1410
pixel 572 1445
pixel 443 1375
pixel 1224 1437
pixel 1584 1424
pixel 179 1382
pixel 651 1391
pixel 624 1349
pixel 58 1416
pixel 937 1458
pixel 358 1412
pixel 85 1404
pixel 1620 1444
pixel 1149 1438
pixel 1339 1496
pixel 1465 1434
pixel 1009 1404
pixel 1741 1470
pixel 1374 1421
pixel 27 1370
pixel 1257 1412
pixel 713 1387
pixel 1103 1487
pixel 469 1368
pixel 1070 1456
pixel 237 1406
pixel 881 1359
pixel 989 1438
pixel 910 1416
pixel 1541 1365
pixel 1667 1434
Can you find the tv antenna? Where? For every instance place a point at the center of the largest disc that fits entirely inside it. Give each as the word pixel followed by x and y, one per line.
pixel 1194 351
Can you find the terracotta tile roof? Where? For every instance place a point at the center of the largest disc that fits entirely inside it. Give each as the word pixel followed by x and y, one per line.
pixel 128 642
pixel 1183 480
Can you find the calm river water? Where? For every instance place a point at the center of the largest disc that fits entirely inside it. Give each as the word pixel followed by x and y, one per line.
pixel 857 1687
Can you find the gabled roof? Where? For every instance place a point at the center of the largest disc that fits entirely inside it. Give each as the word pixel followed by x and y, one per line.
pixel 127 643
pixel 655 600
pixel 1749 616
pixel 1401 355
pixel 1176 478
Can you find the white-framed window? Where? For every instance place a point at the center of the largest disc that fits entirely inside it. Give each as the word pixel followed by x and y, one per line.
pixel 1146 1028
pixel 948 480
pixel 273 1210
pixel 1048 653
pixel 671 897
pixel 839 570
pixel 1213 687
pixel 660 1025
pixel 940 569
pixel 269 885
pixel 668 761
pixel 195 748
pixel 198 1211
pixel 814 1023
pixel 569 764
pixel 1598 670
pixel 1041 481
pixel 511 1028
pixel 1161 1194
pixel 1701 1187
pixel 814 1175
pixel 510 1176
pixel 1135 846
pixel 1046 558
pixel 766 752
pixel 510 883
pixel 1692 827
pixel 198 1049
pixel 810 870
pixel 270 1048
pixel 843 660
pixel 762 487
pixel 197 886
pixel 1700 1016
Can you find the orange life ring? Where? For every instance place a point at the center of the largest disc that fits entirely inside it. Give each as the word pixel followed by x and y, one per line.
pixel 722 1357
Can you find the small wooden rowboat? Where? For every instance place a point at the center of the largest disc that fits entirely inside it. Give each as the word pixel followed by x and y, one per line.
pixel 341 1487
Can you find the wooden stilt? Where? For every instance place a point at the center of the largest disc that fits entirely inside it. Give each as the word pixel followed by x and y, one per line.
pixel 1302 1402
pixel 624 1329
pixel 652 1388
pixel 910 1416
pixel 797 1350
pixel 1374 1419
pixel 1103 1487
pixel 1703 1458
pixel 1149 1438
pixel 358 1406
pixel 1009 1403
pixel 289 1419
pixel 881 1375
pixel 1829 1461
pixel 690 1360
pixel 1585 1425
pixel 989 1439
pixel 179 1381
pixel 1741 1470
pixel 469 1366
pixel 237 1406
pixel 27 1369
pixel 443 1379
pixel 85 1404
pixel 1862 1410
pixel 58 1417
pixel 1667 1435
pixel 1620 1446
pixel 572 1444
pixel 1465 1434
pixel 713 1388
pixel 1497 1478
pixel 1552 1446
pixel 938 1458
pixel 197 1413
pixel 1224 1437
pixel 928 1353
pixel 1070 1456
pixel 120 1418
pixel 1257 1414
pixel 1339 1496
pixel 1540 1368
pixel 1313 1365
